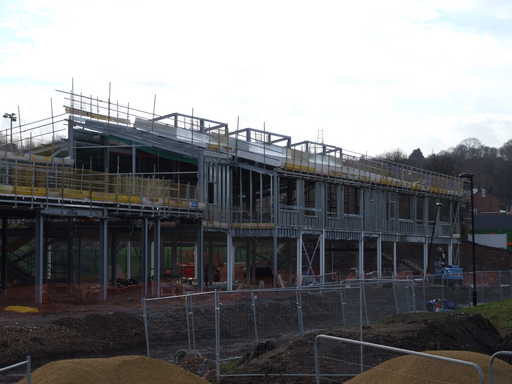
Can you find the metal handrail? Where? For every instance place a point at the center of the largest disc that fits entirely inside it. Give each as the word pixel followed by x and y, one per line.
pixel 392 349
pixel 28 372
pixel 491 363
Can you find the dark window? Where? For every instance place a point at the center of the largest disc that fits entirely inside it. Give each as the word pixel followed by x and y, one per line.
pixel 444 211
pixel 332 199
pixel 351 200
pixel 404 206
pixel 288 191
pixel 211 198
pixel 420 209
pixel 309 194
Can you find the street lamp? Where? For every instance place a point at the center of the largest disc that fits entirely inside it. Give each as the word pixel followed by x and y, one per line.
pixel 12 117
pixel 438 205
pixel 469 176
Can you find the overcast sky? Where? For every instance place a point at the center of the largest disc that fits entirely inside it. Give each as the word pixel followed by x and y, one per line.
pixel 372 75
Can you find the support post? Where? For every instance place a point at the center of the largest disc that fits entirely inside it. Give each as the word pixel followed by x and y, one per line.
pixel 425 257
pixel 274 257
pixel 129 260
pixel 39 259
pixel 157 251
pixel 70 267
pixel 395 269
pixel 379 257
pixel 299 260
pixel 145 258
pixel 230 259
pixel 322 257
pixel 200 256
pixel 5 223
pixel 104 257
pixel 360 262
pixel 450 252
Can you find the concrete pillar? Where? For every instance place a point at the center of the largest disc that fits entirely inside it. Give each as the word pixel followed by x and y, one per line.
pixel 39 259
pixel 360 261
pixel 379 257
pixel 104 258
pixel 322 257
pixel 230 250
pixel 158 261
pixel 299 260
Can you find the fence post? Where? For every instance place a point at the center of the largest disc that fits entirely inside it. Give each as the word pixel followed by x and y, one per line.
pixel 342 304
pixel 413 296
pixel 29 370
pixel 300 315
pixel 365 304
pixel 254 318
pixel 395 298
pixel 217 334
pixel 146 328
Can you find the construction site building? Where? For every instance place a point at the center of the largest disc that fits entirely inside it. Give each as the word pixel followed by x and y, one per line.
pixel 104 198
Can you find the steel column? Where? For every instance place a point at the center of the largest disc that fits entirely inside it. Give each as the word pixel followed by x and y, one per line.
pixel 450 252
pixel 129 260
pixel 104 258
pixel 274 257
pixel 360 261
pixel 230 259
pixel 200 257
pixel 299 260
pixel 157 251
pixel 425 257
pixel 145 258
pixel 395 272
pixel 5 223
pixel 322 257
pixel 379 257
pixel 39 259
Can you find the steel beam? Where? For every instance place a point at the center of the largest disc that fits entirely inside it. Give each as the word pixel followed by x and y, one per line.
pixel 39 259
pixel 104 258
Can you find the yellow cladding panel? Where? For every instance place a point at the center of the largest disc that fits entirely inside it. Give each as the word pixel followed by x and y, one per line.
pixel 103 196
pixel 6 189
pixel 69 193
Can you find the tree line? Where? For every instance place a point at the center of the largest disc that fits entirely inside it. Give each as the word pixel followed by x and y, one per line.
pixel 491 166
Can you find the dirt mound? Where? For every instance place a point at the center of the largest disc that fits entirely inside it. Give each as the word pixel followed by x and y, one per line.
pixel 113 370
pixel 419 370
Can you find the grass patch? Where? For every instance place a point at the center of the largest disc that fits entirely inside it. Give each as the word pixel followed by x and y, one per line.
pixel 498 313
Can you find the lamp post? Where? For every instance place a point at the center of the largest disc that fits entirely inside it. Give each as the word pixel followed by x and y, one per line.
pixel 438 205
pixel 469 176
pixel 12 117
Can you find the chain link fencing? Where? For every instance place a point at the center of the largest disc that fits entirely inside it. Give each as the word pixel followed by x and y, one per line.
pixel 227 327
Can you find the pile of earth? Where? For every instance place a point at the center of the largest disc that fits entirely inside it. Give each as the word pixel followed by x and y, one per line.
pixel 90 335
pixel 419 370
pixel 113 370
pixel 415 331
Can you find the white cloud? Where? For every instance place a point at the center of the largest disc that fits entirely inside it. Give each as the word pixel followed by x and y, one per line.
pixel 373 75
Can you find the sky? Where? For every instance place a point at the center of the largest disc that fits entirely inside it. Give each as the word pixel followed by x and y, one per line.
pixel 368 76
